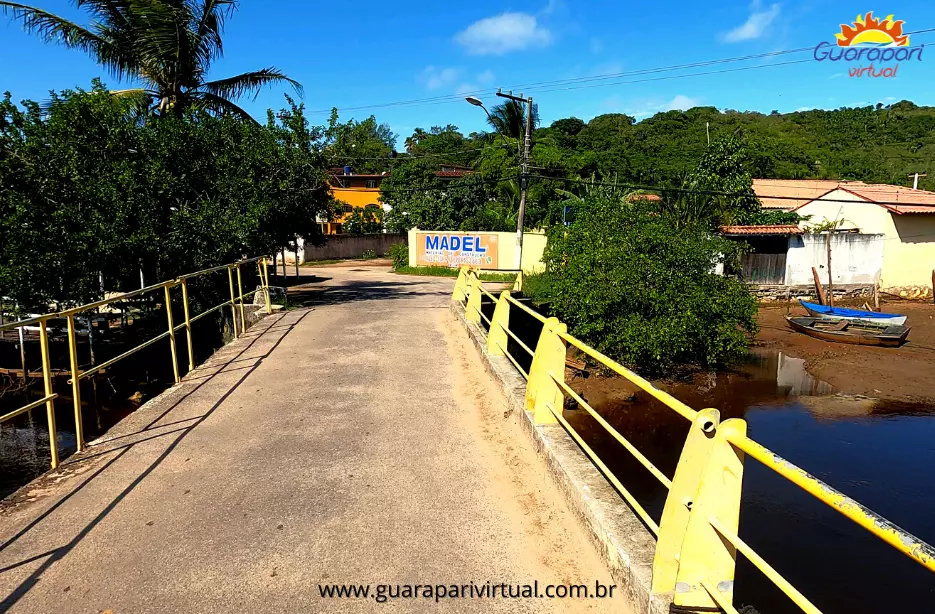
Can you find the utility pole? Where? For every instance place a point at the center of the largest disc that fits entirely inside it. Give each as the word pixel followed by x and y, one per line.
pixel 915 179
pixel 707 129
pixel 524 178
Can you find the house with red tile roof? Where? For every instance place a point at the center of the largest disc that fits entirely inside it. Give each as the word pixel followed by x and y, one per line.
pixel 904 217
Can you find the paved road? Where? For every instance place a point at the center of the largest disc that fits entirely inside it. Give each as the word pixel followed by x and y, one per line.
pixel 352 440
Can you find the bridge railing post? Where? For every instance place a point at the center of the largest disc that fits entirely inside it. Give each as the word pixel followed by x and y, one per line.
pixel 75 382
pixel 707 561
pixel 47 382
pixel 496 336
pixel 460 291
pixel 518 282
pixel 473 304
pixel 685 485
pixel 548 361
pixel 230 282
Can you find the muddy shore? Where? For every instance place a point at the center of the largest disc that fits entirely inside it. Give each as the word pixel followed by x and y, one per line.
pixel 898 374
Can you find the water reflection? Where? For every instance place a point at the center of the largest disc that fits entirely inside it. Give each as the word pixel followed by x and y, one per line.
pixel 876 451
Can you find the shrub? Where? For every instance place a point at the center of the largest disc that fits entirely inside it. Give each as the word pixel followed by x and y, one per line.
pixel 631 284
pixel 399 252
pixel 368 255
pixel 538 287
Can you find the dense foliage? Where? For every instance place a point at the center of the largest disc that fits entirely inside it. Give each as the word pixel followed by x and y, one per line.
pixel 91 189
pixel 363 221
pixel 399 253
pixel 642 289
pixel 668 153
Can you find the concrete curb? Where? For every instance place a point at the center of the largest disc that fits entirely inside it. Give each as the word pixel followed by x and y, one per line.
pixel 624 543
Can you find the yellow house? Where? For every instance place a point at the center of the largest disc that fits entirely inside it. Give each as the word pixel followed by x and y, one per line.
pixel 905 217
pixel 352 191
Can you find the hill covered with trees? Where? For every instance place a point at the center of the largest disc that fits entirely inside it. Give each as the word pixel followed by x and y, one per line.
pixel 882 144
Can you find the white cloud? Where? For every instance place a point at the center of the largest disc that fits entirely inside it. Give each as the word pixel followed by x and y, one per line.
pixel 437 78
pixel 484 79
pixel 756 23
pixel 552 6
pixel 681 103
pixel 647 108
pixel 503 34
pixel 610 68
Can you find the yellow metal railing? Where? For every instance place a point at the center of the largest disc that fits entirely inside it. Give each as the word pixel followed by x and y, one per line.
pixel 236 303
pixel 697 538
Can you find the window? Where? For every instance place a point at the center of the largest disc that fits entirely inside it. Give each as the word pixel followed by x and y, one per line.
pixel 372 206
pixel 371 183
pixel 348 209
pixel 336 228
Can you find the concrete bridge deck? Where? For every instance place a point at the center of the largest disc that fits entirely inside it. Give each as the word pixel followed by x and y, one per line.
pixel 354 440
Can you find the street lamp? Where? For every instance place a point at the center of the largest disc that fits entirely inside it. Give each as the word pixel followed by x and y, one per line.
pixel 524 178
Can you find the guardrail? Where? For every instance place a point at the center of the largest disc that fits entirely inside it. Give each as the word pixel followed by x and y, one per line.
pixel 236 303
pixel 697 538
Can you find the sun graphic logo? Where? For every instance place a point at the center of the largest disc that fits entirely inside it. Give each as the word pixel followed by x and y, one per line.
pixel 868 31
pixel 870 47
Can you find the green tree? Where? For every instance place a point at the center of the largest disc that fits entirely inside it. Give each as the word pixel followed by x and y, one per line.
pixel 367 145
pixel 167 45
pixel 636 287
pixel 364 221
pixel 509 118
pixel 89 191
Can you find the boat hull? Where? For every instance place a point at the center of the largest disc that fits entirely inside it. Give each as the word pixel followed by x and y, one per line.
pixel 852 333
pixel 840 313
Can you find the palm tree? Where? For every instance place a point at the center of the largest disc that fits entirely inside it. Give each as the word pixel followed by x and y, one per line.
pixel 167 45
pixel 509 118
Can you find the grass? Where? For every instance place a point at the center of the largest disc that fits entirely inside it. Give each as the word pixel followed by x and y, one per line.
pixel 320 262
pixel 370 256
pixel 443 271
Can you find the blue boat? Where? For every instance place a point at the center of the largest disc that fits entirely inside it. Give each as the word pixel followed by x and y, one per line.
pixel 843 313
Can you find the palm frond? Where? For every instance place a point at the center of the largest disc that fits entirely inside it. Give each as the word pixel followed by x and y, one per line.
pixel 207 100
pixel 208 44
pixel 54 29
pixel 249 83
pixel 114 11
pixel 140 98
pixel 160 34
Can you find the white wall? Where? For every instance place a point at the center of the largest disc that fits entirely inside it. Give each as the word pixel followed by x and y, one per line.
pixel 855 213
pixel 855 258
pixel 909 248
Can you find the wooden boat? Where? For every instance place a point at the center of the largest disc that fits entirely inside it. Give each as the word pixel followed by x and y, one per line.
pixel 843 313
pixel 850 331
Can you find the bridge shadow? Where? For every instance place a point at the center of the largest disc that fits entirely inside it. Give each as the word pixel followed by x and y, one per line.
pixel 366 290
pixel 291 280
pixel 56 554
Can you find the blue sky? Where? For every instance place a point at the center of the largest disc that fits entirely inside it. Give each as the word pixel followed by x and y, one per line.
pixel 368 53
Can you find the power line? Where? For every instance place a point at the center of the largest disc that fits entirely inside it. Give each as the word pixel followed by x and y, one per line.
pixel 650 188
pixel 443 188
pixel 404 157
pixel 574 83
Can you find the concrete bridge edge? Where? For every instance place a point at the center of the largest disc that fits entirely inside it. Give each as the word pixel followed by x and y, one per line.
pixel 622 540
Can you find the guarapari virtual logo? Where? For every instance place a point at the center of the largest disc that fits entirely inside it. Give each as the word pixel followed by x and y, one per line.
pixel 871 47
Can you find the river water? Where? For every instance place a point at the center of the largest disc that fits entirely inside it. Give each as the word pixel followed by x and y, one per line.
pixel 879 453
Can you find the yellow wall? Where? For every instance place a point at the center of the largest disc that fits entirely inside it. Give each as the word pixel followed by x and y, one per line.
pixel 533 248
pixel 911 259
pixel 356 197
pixel 909 239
